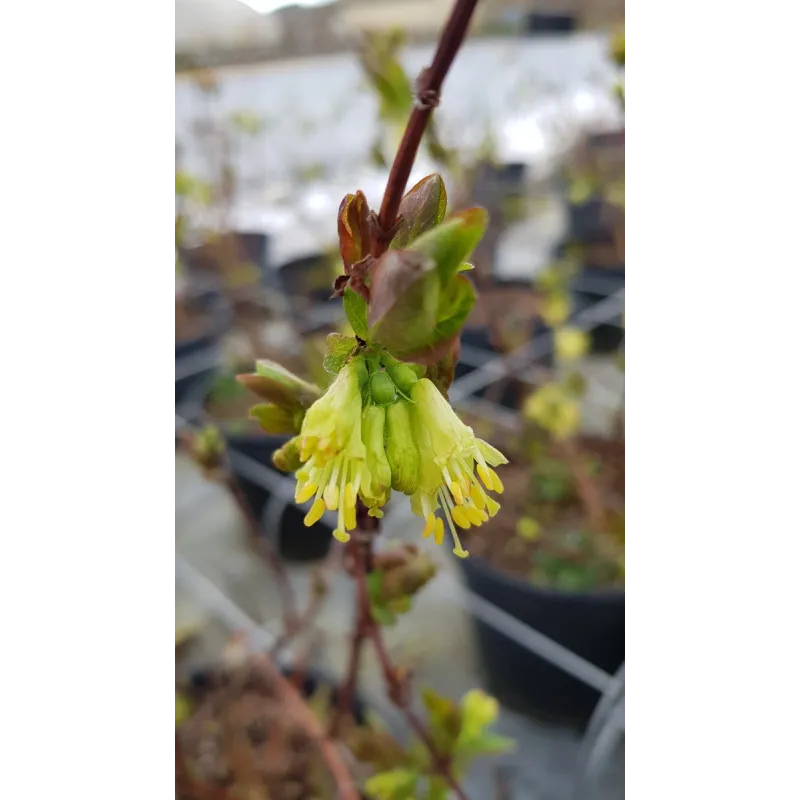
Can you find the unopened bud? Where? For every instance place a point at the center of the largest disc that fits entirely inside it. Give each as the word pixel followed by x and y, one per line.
pixel 403 376
pixel 208 448
pixel 287 457
pixel 382 389
pixel 361 371
pixel 408 579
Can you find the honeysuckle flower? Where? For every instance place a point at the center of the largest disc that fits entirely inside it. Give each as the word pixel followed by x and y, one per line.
pixel 449 456
pixel 333 454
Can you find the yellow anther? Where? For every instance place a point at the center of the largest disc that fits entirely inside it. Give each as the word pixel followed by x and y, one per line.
pixel 430 525
pixel 460 517
pixel 486 475
pixel 375 512
pixel 349 518
pixel 455 490
pixel 331 495
pixel 316 512
pixel 349 496
pixel 497 484
pixel 305 493
pixel 473 515
pixel 438 531
pixel 477 495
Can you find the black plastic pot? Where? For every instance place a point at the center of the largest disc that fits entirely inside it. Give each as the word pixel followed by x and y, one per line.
pixel 591 625
pixel 194 387
pixel 590 223
pixel 537 24
pixel 591 286
pixel 308 278
pixel 294 540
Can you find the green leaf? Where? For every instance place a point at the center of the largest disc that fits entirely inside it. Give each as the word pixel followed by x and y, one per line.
pixel 422 208
pixel 287 458
pixel 465 267
pixel 397 784
pixel 355 306
pixel 452 242
pixel 275 419
pixel 444 718
pixel 404 302
pixel 455 306
pixel 487 744
pixel 338 348
pixel 479 709
pixel 280 386
pixel 437 788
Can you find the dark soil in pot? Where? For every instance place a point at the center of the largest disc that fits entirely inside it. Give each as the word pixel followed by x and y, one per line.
pixel 246 440
pixel 558 581
pixel 240 741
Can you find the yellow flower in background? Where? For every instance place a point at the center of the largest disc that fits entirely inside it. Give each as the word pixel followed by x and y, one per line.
pixel 555 309
pixel 449 457
pixel 553 409
pixel 570 343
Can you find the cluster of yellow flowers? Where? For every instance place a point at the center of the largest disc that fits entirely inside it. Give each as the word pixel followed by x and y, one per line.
pixel 379 427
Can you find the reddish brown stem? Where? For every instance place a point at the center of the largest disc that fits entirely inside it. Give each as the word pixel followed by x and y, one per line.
pixel 429 86
pixel 347 688
pixel 398 691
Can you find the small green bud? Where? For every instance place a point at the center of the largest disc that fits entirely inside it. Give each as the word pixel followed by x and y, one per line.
pixel 361 371
pixel 401 450
pixel 382 389
pixel 403 376
pixel 287 458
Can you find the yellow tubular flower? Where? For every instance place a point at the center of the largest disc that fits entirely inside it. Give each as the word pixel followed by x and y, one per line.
pixel 335 459
pixel 449 456
pixel 328 425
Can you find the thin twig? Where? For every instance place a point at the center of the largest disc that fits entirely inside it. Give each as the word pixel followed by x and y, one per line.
pixel 428 90
pixel 320 585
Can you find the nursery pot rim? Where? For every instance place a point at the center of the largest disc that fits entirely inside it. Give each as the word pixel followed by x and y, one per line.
pixel 512 581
